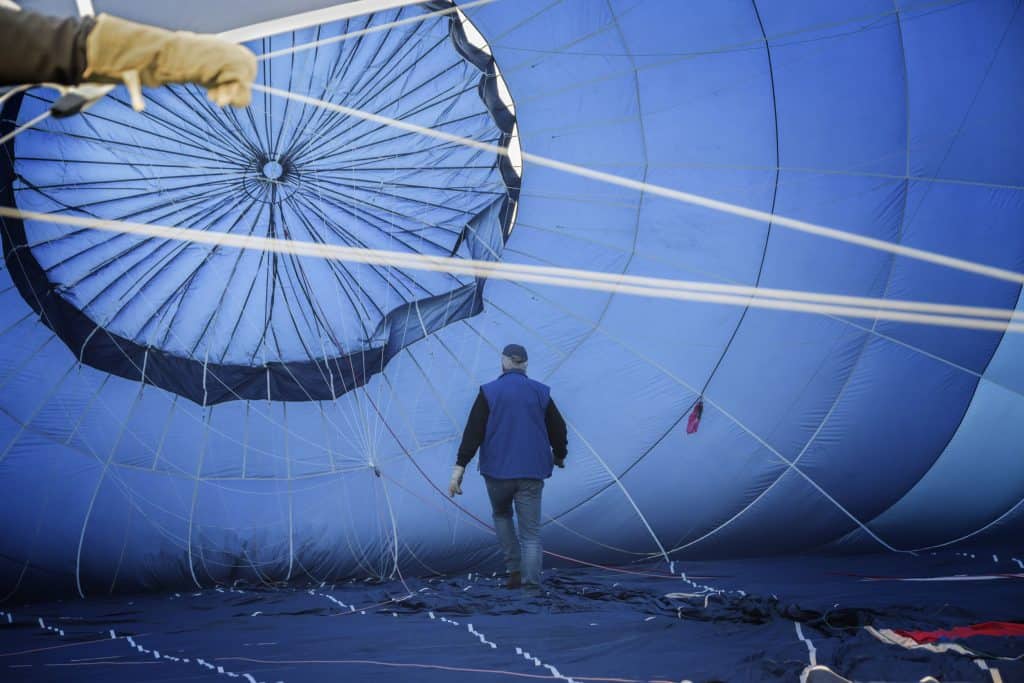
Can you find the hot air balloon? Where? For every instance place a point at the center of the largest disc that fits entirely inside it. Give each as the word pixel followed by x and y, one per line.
pixel 178 415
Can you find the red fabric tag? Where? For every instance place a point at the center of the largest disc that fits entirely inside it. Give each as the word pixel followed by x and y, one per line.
pixel 694 421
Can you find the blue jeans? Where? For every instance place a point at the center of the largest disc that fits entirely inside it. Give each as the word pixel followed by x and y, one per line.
pixel 523 553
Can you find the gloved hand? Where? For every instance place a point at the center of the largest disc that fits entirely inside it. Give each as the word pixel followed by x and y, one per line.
pixel 455 486
pixel 118 50
pixel 560 462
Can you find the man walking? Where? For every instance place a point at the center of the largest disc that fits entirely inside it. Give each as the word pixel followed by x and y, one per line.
pixel 521 435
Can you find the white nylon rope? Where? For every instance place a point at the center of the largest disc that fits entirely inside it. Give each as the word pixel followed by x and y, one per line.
pixel 294 22
pixel 25 126
pixel 372 29
pixel 669 193
pixel 967 317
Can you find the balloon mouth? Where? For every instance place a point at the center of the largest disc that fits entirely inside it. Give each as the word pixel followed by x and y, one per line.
pixel 224 325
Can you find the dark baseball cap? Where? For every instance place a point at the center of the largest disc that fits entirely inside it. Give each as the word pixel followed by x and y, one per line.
pixel 515 352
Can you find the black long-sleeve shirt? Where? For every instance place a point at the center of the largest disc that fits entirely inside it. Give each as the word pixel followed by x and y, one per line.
pixel 36 48
pixel 476 428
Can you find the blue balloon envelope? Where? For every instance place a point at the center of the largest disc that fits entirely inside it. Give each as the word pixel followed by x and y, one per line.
pixel 175 412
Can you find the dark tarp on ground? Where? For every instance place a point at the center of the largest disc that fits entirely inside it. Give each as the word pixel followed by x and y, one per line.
pixel 591 624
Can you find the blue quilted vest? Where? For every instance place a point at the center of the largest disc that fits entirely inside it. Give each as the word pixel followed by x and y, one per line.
pixel 516 443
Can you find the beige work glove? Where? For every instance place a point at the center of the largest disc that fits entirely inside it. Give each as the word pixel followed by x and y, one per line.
pixel 139 55
pixel 455 486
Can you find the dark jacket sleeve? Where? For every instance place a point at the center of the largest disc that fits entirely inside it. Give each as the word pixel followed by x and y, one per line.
pixel 476 428
pixel 36 48
pixel 556 431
